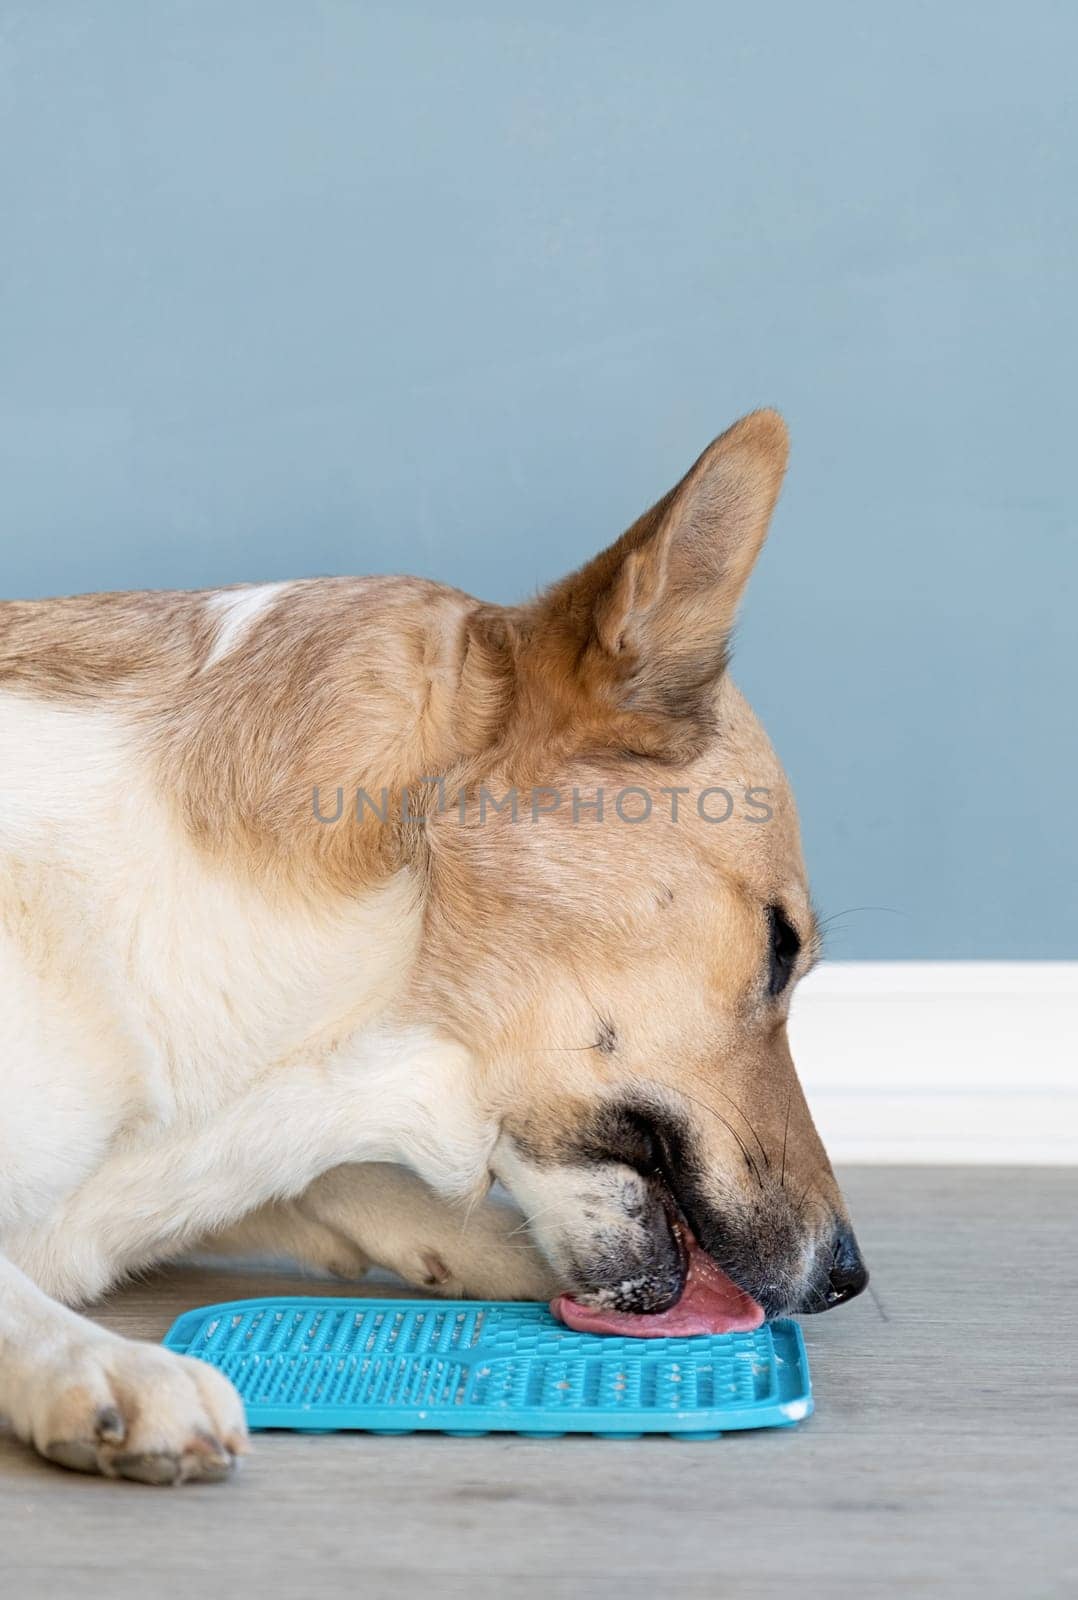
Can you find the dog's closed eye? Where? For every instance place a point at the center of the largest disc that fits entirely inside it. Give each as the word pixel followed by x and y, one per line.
pixel 783 949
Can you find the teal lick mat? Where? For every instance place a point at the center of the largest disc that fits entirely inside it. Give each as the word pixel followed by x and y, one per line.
pixel 469 1367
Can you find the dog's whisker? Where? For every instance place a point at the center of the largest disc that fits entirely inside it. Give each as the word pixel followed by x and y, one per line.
pixel 750 1159
pixel 557 1049
pixel 469 1211
pixel 808 1186
pixel 700 1078
pixel 894 911
pixel 785 1135
pixel 529 1218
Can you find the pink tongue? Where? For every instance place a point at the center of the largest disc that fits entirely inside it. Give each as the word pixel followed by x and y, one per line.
pixel 710 1303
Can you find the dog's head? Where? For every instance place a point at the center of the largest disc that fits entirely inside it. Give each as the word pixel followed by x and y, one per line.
pixel 619 916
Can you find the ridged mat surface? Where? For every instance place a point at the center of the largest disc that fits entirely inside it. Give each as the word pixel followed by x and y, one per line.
pixel 464 1367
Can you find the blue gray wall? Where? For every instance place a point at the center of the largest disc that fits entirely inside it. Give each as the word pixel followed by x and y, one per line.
pixel 333 286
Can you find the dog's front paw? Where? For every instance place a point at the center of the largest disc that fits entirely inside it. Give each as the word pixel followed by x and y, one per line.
pixel 130 1410
pixel 385 1214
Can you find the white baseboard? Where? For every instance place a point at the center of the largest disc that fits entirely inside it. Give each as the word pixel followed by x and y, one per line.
pixel 941 1061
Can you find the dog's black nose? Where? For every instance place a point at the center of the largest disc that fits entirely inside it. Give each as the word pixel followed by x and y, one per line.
pixel 848 1274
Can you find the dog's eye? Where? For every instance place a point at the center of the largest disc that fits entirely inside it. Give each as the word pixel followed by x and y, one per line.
pixel 785 946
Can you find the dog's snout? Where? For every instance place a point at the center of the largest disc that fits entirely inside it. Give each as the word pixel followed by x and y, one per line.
pixel 848 1274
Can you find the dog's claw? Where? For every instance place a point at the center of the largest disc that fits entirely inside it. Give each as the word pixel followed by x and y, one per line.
pixel 110 1428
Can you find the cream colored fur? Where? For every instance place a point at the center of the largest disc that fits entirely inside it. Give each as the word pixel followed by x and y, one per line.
pixel 177 1051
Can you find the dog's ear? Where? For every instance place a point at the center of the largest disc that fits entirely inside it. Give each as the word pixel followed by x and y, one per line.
pixel 648 621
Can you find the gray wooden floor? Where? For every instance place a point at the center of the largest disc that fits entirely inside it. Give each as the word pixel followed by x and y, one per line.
pixel 942 1458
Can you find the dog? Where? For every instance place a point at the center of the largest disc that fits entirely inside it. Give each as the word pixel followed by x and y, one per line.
pixel 325 904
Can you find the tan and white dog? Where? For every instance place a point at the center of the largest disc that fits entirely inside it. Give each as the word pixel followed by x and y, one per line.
pixel 265 984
